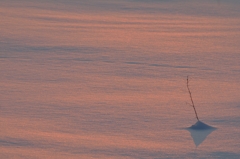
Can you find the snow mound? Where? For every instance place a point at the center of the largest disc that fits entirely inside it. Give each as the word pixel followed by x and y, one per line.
pixel 200 126
pixel 199 132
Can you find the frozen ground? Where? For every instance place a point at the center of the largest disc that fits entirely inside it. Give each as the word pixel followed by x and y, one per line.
pixel 107 79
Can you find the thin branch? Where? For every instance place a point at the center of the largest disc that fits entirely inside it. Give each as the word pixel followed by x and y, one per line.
pixel 192 99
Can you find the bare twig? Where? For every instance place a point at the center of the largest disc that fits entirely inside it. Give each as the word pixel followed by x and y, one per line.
pixel 192 99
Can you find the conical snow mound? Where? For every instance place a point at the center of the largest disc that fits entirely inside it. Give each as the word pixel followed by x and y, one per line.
pixel 200 126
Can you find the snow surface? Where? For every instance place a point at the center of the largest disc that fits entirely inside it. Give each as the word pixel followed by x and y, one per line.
pixel 107 79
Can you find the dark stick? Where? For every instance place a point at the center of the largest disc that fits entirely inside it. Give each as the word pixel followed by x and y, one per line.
pixel 192 100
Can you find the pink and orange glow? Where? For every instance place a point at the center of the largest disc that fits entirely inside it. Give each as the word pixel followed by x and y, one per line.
pixel 108 79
